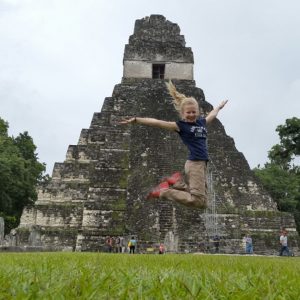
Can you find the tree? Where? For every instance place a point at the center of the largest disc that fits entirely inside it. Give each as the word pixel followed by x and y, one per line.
pixel 283 185
pixel 281 176
pixel 20 172
pixel 284 153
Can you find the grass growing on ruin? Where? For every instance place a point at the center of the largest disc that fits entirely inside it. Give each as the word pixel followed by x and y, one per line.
pixel 124 276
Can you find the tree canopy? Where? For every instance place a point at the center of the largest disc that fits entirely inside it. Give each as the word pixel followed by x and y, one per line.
pixel 20 171
pixel 281 174
pixel 283 154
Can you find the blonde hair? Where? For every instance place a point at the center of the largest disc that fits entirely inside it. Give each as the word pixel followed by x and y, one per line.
pixel 180 100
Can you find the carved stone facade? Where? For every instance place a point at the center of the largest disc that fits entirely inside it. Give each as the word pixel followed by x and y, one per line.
pixel 157 42
pixel 100 189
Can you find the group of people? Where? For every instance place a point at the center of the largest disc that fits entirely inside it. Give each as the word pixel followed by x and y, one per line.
pixel 115 244
pixel 283 240
pixel 118 244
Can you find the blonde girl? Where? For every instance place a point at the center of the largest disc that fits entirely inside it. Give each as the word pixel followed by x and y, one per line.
pixel 192 190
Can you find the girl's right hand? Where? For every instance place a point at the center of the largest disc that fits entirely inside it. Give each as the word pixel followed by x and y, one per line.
pixel 128 121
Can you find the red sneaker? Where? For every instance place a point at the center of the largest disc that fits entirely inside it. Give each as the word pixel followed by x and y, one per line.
pixel 157 190
pixel 174 178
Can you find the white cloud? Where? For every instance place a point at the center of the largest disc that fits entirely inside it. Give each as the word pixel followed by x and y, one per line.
pixel 60 59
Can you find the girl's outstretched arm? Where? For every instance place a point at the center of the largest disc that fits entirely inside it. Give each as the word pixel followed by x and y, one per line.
pixel 213 114
pixel 151 122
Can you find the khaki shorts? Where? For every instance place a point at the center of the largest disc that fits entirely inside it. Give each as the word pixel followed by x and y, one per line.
pixel 192 192
pixel 195 172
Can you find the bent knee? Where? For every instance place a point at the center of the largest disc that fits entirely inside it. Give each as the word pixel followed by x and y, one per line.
pixel 199 201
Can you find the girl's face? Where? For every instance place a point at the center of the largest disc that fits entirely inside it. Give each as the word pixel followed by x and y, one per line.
pixel 190 113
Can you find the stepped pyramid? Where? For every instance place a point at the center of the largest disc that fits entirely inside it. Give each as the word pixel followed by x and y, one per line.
pixel 100 188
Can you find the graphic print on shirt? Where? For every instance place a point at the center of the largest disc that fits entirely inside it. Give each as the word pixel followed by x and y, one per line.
pixel 199 131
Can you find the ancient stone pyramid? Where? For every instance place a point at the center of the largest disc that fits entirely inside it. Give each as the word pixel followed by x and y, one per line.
pixel 100 188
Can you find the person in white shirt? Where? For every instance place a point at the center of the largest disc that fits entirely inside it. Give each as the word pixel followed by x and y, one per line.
pixel 284 243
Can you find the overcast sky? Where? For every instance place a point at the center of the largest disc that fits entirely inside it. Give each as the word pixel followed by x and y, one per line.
pixel 59 59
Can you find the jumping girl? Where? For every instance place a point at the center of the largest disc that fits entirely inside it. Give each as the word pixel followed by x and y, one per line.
pixel 191 190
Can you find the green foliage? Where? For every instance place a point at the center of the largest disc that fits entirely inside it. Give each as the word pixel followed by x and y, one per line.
pixel 283 185
pixel 9 221
pixel 3 127
pixel 20 171
pixel 280 176
pixel 283 154
pixel 148 276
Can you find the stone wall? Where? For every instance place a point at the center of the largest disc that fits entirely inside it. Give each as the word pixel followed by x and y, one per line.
pixel 142 69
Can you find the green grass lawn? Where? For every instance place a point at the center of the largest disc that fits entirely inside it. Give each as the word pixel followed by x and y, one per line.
pixel 124 276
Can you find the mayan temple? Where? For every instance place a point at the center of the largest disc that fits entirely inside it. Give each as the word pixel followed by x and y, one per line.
pixel 100 189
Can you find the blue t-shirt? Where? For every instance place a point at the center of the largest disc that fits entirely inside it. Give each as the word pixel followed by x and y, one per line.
pixel 194 136
pixel 133 242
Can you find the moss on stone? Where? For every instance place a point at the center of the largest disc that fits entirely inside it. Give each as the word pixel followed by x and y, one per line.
pixel 119 204
pixel 261 213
